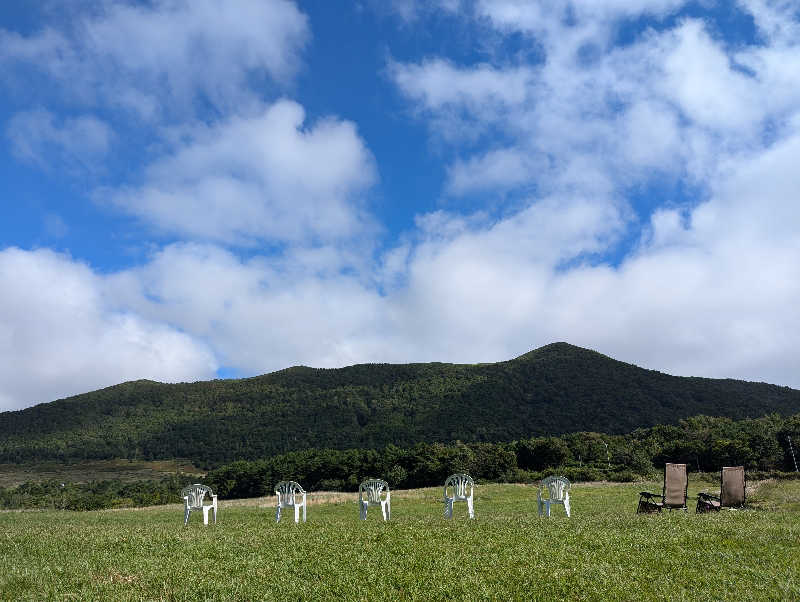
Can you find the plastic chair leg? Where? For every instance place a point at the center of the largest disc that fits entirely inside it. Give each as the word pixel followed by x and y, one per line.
pixel 186 517
pixel 566 506
pixel 470 508
pixel 304 512
pixel 383 510
pixel 296 514
pixel 448 508
pixel 278 514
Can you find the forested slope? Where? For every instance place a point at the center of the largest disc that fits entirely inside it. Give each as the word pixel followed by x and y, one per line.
pixel 555 389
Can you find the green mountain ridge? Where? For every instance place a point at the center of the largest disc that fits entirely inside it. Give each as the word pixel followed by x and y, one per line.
pixel 558 388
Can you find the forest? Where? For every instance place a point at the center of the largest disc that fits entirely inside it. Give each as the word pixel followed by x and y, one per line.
pixel 704 443
pixel 553 390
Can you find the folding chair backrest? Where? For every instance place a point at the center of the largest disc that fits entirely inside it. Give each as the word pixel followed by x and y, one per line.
pixel 733 486
pixel 196 493
pixel 676 483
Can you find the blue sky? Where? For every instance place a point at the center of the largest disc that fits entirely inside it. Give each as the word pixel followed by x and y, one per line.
pixel 203 189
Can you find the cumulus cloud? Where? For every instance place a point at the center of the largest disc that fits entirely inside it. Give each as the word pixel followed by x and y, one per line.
pixel 162 56
pixel 261 177
pixel 260 314
pixel 60 335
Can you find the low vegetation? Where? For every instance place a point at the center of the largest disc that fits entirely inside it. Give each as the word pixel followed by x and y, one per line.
pixel 605 551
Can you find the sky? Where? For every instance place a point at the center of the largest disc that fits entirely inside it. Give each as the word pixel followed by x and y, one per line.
pixel 199 189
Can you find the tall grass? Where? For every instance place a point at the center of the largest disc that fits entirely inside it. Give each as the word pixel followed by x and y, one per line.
pixel 605 551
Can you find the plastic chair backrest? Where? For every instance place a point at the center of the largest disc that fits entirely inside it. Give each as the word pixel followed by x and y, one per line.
pixel 196 493
pixel 373 488
pixel 286 490
pixel 557 487
pixel 460 483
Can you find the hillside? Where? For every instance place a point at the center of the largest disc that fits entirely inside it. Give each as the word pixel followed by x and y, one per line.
pixel 555 389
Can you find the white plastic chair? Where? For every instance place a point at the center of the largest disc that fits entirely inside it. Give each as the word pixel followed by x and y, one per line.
pixel 557 491
pixel 369 494
pixel 459 484
pixel 289 493
pixel 193 497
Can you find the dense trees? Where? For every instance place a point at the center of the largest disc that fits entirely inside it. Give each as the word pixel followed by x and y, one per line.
pixel 703 442
pixel 95 495
pixel 550 391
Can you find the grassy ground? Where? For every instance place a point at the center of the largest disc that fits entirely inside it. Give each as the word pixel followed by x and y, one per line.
pixel 605 551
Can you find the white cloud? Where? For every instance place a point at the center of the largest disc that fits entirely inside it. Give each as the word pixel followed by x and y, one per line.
pixel 39 137
pixel 438 83
pixel 552 15
pixel 496 171
pixel 698 76
pixel 675 102
pixel 165 55
pixel 712 293
pixel 260 314
pixel 60 335
pixel 265 177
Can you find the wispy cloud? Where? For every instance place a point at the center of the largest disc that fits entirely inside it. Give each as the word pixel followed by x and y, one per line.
pixel 161 57
pixel 40 137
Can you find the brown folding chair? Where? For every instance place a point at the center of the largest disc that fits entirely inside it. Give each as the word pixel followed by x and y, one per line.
pixel 676 484
pixel 732 494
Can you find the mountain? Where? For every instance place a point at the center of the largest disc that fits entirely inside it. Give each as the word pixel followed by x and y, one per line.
pixel 558 388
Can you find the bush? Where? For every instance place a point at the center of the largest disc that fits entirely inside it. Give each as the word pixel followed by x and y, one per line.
pixel 581 474
pixel 624 476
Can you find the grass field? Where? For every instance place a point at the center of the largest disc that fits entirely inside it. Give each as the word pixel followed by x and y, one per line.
pixel 605 551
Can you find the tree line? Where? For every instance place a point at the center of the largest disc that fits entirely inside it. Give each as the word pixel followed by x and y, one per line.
pixel 53 494
pixel 704 443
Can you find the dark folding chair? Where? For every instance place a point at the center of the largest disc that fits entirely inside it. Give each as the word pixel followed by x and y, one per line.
pixel 673 496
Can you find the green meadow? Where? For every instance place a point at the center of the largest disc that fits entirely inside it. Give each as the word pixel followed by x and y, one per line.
pixel 604 551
